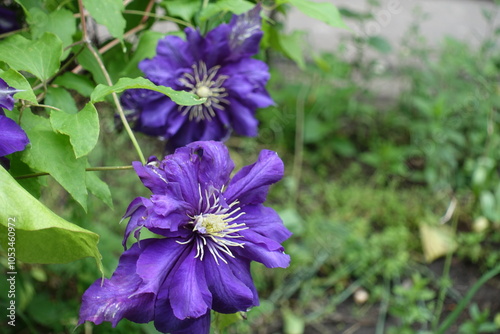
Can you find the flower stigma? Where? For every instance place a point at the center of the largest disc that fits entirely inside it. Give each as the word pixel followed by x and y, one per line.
pixel 205 83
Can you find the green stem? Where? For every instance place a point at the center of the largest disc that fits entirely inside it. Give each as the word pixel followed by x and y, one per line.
pixel 452 318
pixel 118 106
pixel 110 83
pixel 445 277
pixel 90 169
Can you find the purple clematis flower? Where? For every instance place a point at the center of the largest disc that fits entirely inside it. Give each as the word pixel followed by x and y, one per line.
pixel 212 227
pixel 217 67
pixel 12 137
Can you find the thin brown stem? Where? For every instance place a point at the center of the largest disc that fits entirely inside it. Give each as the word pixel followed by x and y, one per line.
pixel 164 17
pixel 13 32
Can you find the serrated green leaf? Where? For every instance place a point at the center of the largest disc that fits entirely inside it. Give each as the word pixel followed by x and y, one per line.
pixel 40 57
pixel 16 80
pixel 185 9
pixel 109 14
pixel 146 48
pixel 61 99
pixel 76 82
pixel 61 23
pixel 323 11
pixel 99 188
pixel 41 236
pixel 52 153
pixel 237 7
pixel 82 128
pixel 179 97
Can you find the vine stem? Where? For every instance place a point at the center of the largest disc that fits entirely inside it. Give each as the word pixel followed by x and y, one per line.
pixel 110 83
pixel 90 169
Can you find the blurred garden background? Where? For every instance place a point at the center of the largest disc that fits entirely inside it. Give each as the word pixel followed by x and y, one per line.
pixel 390 134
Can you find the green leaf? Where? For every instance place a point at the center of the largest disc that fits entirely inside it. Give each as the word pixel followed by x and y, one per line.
pixel 41 236
pixel 62 99
pixel 99 188
pixel 87 60
pixel 61 23
pixel 82 128
pixel 146 48
pixel 39 57
pixel 380 44
pixel 323 11
pixel 291 45
pixel 16 80
pixel 109 14
pixel 179 97
pixel 234 6
pixel 17 168
pixel 76 82
pixel 185 9
pixel 52 153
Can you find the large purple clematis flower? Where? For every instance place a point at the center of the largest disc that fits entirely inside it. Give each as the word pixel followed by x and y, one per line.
pixel 216 66
pixel 12 137
pixel 212 227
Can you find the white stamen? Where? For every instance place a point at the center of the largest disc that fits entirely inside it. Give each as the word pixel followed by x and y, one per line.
pixel 213 229
pixel 201 82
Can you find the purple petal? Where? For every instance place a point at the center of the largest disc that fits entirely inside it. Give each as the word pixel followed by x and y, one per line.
pixel 188 290
pixel 241 270
pixel 155 115
pixel 265 221
pixel 172 55
pixel 153 176
pixel 115 299
pixel 12 137
pixel 244 121
pixel 6 93
pixel 264 250
pixel 215 165
pixel 156 262
pixel 246 82
pixel 251 184
pixel 229 294
pixel 180 169
pixel 136 211
pixel 245 34
pixel 217 47
pixel 169 213
pixel 166 322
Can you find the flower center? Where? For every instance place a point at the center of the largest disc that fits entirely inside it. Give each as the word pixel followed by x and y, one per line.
pixel 203 91
pixel 207 84
pixel 214 228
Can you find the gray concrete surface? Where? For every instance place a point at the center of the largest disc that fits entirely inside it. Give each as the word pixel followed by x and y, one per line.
pixel 461 19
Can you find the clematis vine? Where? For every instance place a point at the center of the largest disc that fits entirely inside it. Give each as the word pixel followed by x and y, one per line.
pixel 12 137
pixel 217 67
pixel 211 228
